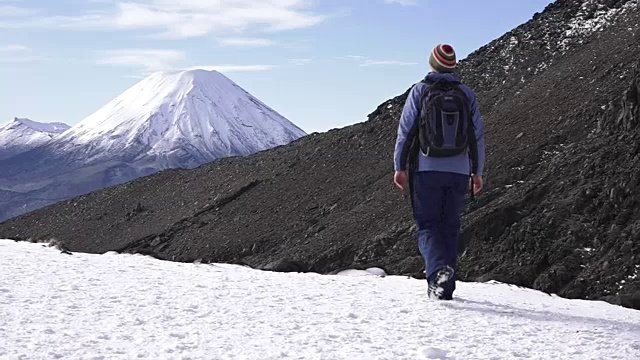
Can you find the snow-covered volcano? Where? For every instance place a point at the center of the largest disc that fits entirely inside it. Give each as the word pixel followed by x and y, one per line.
pixel 22 135
pixel 169 120
pixel 179 119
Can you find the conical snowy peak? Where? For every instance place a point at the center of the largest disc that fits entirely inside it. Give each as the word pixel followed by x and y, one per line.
pixel 194 115
pixel 22 135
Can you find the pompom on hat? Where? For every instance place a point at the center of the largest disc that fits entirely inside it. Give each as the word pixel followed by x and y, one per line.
pixel 443 58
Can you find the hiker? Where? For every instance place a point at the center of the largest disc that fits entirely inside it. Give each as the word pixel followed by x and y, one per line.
pixel 440 146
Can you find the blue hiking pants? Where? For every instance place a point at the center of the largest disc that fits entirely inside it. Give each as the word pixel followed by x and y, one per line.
pixel 438 200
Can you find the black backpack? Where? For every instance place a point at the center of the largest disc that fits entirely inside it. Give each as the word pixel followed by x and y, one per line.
pixel 445 123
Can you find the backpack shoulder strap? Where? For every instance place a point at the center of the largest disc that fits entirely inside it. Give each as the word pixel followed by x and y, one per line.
pixel 425 93
pixel 429 84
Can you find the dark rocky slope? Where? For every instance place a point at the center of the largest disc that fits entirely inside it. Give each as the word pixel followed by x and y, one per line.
pixel 560 100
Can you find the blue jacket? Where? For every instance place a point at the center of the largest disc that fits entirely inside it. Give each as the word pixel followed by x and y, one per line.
pixel 457 164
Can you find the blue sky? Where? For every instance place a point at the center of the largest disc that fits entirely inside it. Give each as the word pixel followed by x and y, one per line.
pixel 321 63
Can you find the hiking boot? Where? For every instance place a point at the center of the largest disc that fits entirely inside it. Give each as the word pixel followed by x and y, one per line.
pixel 438 283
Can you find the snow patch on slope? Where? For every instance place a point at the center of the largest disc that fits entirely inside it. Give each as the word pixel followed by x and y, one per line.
pixel 563 26
pixel 592 17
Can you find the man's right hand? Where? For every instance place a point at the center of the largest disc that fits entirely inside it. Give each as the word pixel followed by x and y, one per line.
pixel 476 183
pixel 400 179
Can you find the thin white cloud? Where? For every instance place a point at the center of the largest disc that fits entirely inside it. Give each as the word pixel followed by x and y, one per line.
pixel 234 68
pixel 16 11
pixel 149 60
pixel 136 77
pixel 370 62
pixel 300 62
pixel 19 59
pixel 364 61
pixel 402 2
pixel 246 42
pixel 83 22
pixel 152 60
pixel 16 53
pixel 14 48
pixel 185 18
pixel 351 57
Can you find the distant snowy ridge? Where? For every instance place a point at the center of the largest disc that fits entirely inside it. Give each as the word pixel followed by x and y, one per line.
pixel 21 135
pixel 51 128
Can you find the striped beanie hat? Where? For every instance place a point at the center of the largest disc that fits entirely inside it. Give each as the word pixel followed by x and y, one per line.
pixel 443 58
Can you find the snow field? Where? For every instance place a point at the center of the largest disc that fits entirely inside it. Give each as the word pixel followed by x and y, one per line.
pixel 82 306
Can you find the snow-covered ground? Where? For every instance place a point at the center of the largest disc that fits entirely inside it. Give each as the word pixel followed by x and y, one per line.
pixel 80 306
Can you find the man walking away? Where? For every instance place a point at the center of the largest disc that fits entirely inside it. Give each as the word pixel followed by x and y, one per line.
pixel 440 145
